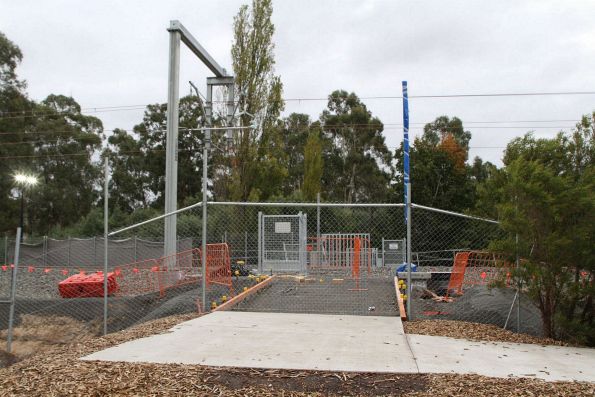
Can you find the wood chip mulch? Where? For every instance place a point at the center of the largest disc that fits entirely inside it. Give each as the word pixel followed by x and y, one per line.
pixel 59 372
pixel 474 331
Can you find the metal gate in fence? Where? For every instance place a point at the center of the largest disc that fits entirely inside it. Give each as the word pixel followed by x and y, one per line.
pixel 282 243
pixel 338 251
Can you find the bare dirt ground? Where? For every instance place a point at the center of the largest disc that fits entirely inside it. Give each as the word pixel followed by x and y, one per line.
pixel 58 372
pixel 37 334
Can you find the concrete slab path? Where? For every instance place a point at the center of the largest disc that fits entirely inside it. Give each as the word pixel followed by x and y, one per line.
pixel 345 343
pixel 438 354
pixel 276 340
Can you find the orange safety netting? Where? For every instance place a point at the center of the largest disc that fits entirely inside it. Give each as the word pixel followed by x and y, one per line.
pixel 158 275
pixel 218 264
pixel 477 268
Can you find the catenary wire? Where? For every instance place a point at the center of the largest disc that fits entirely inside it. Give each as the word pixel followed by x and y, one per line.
pixel 18 114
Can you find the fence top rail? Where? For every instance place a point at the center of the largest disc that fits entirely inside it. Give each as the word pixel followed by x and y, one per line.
pixel 439 251
pixel 277 204
pixel 125 229
pixel 253 204
pixel 454 213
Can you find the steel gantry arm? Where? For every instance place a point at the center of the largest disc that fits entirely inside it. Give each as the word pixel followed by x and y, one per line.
pixel 196 48
pixel 177 33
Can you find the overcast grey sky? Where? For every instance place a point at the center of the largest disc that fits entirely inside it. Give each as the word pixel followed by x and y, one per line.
pixel 112 53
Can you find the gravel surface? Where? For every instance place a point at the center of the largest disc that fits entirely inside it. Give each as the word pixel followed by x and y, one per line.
pixel 58 372
pixel 473 331
pixel 480 304
pixel 374 296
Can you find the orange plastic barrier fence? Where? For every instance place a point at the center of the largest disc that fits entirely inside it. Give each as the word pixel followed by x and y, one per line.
pixel 218 264
pixel 356 253
pixel 477 268
pixel 157 275
pixel 458 273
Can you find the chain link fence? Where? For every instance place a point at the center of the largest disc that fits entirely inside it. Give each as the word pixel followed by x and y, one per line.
pixel 325 258
pixel 328 258
pixel 457 278
pixel 45 305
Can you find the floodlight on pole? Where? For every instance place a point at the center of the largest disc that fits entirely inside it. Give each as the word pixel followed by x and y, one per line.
pixel 24 181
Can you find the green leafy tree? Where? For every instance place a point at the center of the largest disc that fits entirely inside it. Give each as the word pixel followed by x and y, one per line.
pixel 52 140
pixel 438 130
pixel 129 181
pixel 357 160
pixel 440 176
pixel 313 166
pixel 138 159
pixel 64 142
pixel 257 153
pixel 295 134
pixel 545 195
pixel 15 119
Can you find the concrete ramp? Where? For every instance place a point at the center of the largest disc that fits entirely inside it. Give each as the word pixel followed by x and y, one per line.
pixel 276 340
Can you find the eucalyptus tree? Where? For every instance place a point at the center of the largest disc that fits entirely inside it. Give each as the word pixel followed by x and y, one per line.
pixel 357 160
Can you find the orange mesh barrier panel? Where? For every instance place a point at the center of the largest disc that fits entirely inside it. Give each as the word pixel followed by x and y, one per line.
pixel 478 268
pixel 158 275
pixel 218 264
pixel 356 254
pixel 458 273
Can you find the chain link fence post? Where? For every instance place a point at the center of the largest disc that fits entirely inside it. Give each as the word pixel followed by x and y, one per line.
pixel 69 247
pixel 205 154
pixel 94 250
pixel 245 248
pixel 105 242
pixel 13 289
pixel 409 244
pixel 45 251
pixel 518 313
pixel 318 222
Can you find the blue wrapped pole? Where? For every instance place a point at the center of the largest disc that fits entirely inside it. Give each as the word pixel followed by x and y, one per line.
pixel 407 189
pixel 405 143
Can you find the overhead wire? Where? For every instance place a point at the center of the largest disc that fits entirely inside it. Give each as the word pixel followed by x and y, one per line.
pixel 327 128
pixel 100 109
pixel 150 150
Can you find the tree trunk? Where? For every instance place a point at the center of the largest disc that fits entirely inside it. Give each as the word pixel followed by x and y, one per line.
pixel 548 313
pixel 352 184
pixel 546 319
